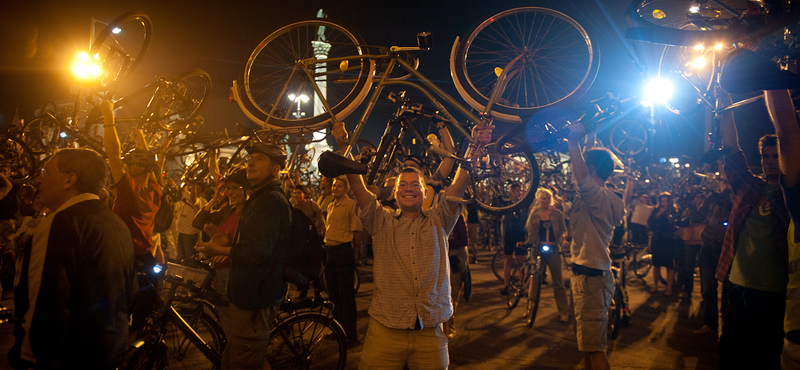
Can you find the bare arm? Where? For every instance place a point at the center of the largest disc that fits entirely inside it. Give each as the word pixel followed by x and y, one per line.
pixel 111 141
pixel 781 110
pixel 447 163
pixel 213 166
pixel 579 169
pixel 730 138
pixel 628 195
pixel 357 184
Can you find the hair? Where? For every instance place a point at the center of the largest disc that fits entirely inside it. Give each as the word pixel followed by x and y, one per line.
pixel 601 160
pixel 767 140
pixel 87 165
pixel 301 188
pixel 537 206
pixel 410 170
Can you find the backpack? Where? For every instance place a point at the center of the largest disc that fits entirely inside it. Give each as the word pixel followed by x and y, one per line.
pixel 165 213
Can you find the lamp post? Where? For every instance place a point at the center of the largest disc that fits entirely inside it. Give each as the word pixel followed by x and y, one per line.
pixel 302 98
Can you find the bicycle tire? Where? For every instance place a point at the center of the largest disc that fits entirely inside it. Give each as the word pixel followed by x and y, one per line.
pixel 628 138
pixel 534 296
pixel 150 355
pixel 498 264
pixel 382 163
pixel 185 97
pixel 514 291
pixel 308 331
pixel 615 314
pixel 205 326
pixel 19 158
pixel 272 71
pixel 41 134
pixel 493 176
pixel 496 41
pixel 643 265
pixel 652 26
pixel 121 52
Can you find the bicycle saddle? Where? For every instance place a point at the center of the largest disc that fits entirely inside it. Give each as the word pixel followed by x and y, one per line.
pixel 334 165
pixel 745 71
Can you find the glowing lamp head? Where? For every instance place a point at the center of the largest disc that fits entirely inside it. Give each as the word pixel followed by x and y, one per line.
pixel 718 46
pixel 116 30
pixel 699 47
pixel 698 62
pixel 694 9
pixel 157 269
pixel 86 69
pixel 545 248
pixel 63 134
pixel 658 91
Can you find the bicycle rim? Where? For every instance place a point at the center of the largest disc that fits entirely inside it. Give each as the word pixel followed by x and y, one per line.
pixel 121 45
pixel 643 265
pixel 181 348
pixel 19 158
pixel 534 293
pixel 182 100
pixel 559 60
pixel 512 299
pixel 41 135
pixel 318 340
pixel 272 75
pixel 628 138
pixel 493 176
pixel 498 264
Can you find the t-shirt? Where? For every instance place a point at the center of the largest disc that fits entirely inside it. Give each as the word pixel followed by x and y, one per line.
pixel 137 207
pixel 187 212
pixel 641 213
pixel 757 263
pixel 597 210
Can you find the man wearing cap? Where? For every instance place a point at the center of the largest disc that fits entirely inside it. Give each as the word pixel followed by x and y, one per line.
pixel 256 286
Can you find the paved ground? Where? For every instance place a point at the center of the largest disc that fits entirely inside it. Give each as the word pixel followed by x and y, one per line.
pixel 490 336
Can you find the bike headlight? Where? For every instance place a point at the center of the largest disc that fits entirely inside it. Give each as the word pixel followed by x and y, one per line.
pixel 157 269
pixel 545 248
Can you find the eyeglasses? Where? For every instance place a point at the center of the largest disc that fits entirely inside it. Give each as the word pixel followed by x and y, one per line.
pixel 255 158
pixel 413 185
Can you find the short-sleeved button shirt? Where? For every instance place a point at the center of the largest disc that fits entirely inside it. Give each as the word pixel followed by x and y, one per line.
pixel 412 271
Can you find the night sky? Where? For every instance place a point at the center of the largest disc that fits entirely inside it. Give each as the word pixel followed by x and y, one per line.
pixel 38 37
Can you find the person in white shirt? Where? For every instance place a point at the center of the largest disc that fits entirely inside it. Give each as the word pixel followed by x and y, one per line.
pixel 191 203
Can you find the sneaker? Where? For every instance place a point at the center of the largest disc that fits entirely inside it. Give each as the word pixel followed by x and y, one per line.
pixel 705 330
pixel 504 291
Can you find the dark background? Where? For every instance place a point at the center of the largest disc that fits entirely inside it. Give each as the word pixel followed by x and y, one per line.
pixel 38 38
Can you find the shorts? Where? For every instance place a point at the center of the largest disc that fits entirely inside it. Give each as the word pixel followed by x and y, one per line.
pixel 510 245
pixel 592 296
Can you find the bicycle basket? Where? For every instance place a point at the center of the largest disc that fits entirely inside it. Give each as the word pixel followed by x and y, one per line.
pixel 198 277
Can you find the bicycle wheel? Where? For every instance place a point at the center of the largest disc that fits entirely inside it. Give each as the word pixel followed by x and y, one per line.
pixel 19 158
pixel 498 264
pixel 273 73
pixel 307 341
pixel 205 326
pixel 628 138
pixel 534 295
pixel 642 265
pixel 41 134
pixel 121 45
pixel 615 314
pixel 559 61
pixel 514 290
pixel 179 103
pixel 150 355
pixel 494 174
pixel 659 21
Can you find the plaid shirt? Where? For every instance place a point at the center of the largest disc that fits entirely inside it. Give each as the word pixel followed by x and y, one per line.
pixel 750 191
pixel 412 270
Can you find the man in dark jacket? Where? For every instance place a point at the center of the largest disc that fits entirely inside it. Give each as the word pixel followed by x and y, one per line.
pixel 77 276
pixel 258 257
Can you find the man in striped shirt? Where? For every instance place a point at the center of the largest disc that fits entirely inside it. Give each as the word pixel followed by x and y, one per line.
pixel 412 278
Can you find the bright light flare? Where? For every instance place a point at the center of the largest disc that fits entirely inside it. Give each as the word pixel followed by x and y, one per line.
pixel 699 47
pixel 658 91
pixel 674 160
pixel 677 165
pixel 86 69
pixel 302 97
pixel 698 62
pixel 694 9
pixel 686 165
pixel 718 46
pixel 116 30
pixel 63 134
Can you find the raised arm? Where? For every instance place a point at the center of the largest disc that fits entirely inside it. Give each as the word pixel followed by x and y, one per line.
pixel 111 141
pixel 213 166
pixel 579 169
pixel 730 137
pixel 781 110
pixel 357 184
pixel 447 140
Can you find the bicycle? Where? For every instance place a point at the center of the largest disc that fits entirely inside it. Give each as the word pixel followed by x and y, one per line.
pixel 304 334
pixel 530 284
pixel 330 60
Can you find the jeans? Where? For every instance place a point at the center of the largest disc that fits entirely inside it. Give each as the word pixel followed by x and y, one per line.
pixel 709 258
pixel 340 281
pixel 186 244
pixel 752 329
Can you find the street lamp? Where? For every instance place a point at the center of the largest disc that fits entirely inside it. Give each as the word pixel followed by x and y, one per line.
pixel 302 98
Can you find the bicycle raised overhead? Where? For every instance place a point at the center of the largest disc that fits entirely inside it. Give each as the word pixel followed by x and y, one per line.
pixel 502 78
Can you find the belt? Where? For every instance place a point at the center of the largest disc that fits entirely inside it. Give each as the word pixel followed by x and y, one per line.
pixel 586 271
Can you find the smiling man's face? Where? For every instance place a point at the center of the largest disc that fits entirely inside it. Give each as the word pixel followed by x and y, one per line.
pixel 409 192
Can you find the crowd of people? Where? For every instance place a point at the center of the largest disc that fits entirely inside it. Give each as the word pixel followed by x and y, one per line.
pixel 71 250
